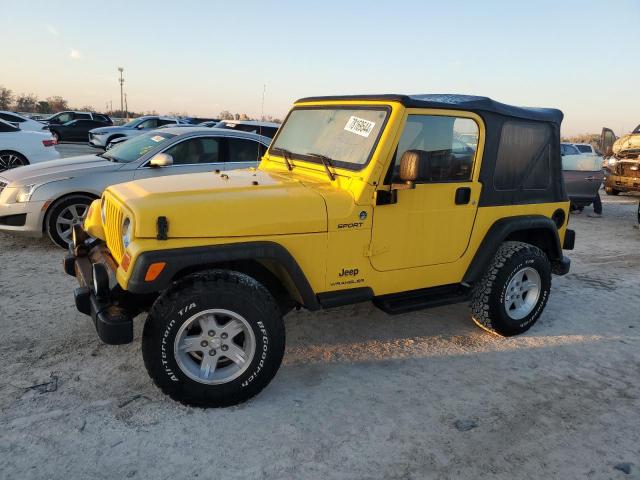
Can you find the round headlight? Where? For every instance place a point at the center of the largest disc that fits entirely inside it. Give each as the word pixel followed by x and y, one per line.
pixel 126 232
pixel 103 210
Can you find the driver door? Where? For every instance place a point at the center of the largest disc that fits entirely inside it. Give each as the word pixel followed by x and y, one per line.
pixel 431 223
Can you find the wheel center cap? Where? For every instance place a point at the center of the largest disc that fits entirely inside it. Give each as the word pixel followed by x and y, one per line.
pixel 215 342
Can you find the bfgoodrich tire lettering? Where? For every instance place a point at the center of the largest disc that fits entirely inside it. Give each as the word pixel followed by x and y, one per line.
pixel 489 296
pixel 246 301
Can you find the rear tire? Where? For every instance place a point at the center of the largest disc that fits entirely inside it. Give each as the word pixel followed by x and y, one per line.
pixel 190 331
pixel 514 290
pixel 63 215
pixel 10 160
pixel 611 191
pixel 56 137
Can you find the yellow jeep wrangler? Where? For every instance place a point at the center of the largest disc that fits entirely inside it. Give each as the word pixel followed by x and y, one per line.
pixel 407 201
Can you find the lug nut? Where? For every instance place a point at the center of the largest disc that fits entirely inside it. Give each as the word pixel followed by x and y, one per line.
pixel 212 352
pixel 224 335
pixel 212 333
pixel 224 348
pixel 204 343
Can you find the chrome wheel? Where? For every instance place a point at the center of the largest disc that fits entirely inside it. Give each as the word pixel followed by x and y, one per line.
pixel 522 294
pixel 11 160
pixel 214 346
pixel 70 216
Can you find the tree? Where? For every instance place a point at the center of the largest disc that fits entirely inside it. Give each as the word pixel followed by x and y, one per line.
pixel 226 115
pixel 26 102
pixel 6 98
pixel 87 108
pixel 57 104
pixel 43 107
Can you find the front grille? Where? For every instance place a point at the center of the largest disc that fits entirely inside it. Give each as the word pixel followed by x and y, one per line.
pixel 628 170
pixel 113 228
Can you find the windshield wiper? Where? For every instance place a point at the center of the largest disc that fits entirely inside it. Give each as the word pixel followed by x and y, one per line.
pixel 286 154
pixel 326 162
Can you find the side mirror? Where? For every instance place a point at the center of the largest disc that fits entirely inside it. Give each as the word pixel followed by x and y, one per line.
pixel 410 166
pixel 161 160
pixel 140 126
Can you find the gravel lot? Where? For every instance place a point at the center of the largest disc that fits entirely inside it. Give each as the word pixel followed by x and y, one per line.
pixel 360 394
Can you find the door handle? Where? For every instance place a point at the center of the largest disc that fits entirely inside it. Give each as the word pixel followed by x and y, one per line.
pixel 463 195
pixel 591 178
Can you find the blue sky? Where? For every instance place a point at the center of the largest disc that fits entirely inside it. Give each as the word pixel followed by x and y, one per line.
pixel 202 57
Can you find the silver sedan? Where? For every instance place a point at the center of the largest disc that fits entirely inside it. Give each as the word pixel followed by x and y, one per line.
pixel 53 196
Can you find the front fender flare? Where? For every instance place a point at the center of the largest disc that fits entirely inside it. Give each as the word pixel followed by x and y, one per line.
pixel 180 259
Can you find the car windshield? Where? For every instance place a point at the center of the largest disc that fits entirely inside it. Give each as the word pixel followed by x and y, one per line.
pixel 133 123
pixel 132 149
pixel 345 135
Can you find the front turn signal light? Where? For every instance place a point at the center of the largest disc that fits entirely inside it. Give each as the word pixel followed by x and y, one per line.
pixel 153 271
pixel 126 261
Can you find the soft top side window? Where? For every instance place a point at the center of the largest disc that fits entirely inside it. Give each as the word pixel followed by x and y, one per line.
pixel 524 156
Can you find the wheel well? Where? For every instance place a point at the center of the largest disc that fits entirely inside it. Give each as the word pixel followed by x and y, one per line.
pixel 540 237
pixel 17 153
pixel 113 137
pixel 57 200
pixel 271 275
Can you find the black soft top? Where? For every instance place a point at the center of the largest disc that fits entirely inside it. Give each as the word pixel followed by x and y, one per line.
pixel 470 103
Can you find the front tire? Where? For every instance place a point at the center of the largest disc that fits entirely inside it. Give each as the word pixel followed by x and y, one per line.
pixel 214 339
pixel 63 215
pixel 611 191
pixel 514 290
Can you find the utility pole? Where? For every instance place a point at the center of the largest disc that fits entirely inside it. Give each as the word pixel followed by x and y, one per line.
pixel 126 107
pixel 121 80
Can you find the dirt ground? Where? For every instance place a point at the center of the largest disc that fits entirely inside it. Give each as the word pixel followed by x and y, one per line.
pixel 360 394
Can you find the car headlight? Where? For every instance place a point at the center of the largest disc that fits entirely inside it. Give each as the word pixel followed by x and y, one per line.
pixel 24 193
pixel 127 232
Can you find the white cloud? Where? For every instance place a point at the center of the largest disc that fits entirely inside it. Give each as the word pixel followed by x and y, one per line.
pixel 74 54
pixel 52 30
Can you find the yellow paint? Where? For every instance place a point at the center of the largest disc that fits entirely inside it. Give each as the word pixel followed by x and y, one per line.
pixel 334 230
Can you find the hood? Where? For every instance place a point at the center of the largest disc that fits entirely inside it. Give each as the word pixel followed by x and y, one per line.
pixel 115 129
pixel 627 146
pixel 58 169
pixel 233 204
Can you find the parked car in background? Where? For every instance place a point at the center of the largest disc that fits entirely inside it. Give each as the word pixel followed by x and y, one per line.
pixel 23 147
pixel 20 121
pixel 582 173
pixel 55 196
pixel 622 161
pixel 100 137
pixel 75 130
pixel 68 115
pixel 268 129
pixel 585 148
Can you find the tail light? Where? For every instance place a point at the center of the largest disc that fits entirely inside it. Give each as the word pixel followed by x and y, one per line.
pixel 49 143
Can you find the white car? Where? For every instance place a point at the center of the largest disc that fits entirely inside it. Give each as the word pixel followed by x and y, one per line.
pixel 20 121
pixel 20 147
pixel 586 148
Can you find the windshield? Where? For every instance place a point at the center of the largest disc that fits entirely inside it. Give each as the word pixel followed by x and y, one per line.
pixel 131 150
pixel 132 123
pixel 345 135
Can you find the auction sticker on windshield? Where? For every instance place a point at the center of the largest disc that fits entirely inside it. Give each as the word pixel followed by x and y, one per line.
pixel 157 138
pixel 359 126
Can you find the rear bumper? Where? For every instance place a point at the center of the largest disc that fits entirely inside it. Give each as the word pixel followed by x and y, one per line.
pixel 113 323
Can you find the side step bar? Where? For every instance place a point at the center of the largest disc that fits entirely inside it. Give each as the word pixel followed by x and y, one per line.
pixel 404 302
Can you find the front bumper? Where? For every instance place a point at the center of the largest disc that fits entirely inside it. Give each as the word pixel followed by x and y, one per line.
pixel 23 218
pixel 98 141
pixel 625 184
pixel 113 322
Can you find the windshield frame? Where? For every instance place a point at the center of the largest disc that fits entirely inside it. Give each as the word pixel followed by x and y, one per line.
pixel 335 162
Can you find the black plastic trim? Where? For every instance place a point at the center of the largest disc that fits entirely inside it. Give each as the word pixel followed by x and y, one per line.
pixel 499 231
pixel 180 259
pixel 17 220
pixel 345 297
